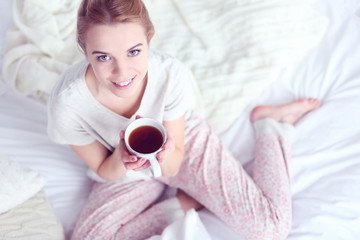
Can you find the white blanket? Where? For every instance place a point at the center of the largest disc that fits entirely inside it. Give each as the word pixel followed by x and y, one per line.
pixel 41 46
pixel 235 49
pixel 17 183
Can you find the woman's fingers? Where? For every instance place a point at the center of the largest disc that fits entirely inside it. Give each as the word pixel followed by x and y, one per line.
pixel 147 164
pixel 125 155
pixel 122 134
pixel 168 147
pixel 136 165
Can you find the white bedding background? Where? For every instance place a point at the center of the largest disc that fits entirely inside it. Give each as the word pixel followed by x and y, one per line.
pixel 325 169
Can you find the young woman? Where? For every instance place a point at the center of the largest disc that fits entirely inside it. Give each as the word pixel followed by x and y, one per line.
pixel 120 79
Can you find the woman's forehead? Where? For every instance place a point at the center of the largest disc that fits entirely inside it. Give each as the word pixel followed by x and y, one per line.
pixel 118 35
pixel 117 31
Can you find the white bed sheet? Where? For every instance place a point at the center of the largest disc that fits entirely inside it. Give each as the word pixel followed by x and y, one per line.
pixel 325 169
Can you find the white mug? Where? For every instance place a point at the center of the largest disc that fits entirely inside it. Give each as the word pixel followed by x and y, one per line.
pixel 137 141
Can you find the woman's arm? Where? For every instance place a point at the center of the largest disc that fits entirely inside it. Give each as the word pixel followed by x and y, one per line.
pixel 173 151
pixel 106 164
pixel 109 166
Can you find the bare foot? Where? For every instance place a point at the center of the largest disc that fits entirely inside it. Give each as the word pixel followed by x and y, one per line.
pixel 289 113
pixel 187 202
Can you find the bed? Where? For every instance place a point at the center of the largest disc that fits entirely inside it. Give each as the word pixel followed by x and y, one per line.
pixel 242 53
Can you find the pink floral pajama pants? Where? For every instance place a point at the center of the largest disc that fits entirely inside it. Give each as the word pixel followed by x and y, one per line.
pixel 256 208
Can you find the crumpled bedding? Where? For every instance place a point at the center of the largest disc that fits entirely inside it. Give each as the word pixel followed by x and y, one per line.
pixel 235 49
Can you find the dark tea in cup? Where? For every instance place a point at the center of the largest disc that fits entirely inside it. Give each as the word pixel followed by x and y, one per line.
pixel 146 139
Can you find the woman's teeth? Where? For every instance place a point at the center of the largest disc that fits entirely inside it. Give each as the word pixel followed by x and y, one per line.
pixel 122 84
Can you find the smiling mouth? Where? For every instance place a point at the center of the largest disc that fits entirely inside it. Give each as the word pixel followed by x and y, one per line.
pixel 124 83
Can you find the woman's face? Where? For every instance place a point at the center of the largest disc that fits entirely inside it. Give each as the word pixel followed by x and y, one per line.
pixel 118 55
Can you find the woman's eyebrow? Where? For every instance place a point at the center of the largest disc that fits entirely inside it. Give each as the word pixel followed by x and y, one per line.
pixel 99 52
pixel 137 45
pixel 105 53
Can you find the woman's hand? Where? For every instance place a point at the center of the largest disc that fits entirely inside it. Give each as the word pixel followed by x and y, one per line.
pixel 170 157
pixel 131 162
pixel 168 147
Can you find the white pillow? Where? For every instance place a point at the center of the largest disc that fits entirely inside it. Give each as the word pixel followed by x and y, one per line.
pixel 32 220
pixel 17 183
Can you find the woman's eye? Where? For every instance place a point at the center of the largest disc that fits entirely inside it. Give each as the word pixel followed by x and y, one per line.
pixel 134 52
pixel 103 58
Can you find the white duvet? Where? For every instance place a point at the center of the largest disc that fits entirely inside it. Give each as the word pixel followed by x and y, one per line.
pixel 325 169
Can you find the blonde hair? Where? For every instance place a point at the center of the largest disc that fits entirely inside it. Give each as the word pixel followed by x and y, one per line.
pixel 111 12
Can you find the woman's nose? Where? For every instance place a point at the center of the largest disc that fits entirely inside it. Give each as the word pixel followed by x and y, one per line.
pixel 119 67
